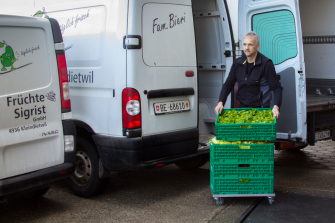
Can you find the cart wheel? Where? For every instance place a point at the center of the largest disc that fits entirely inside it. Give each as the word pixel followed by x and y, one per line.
pixel 271 200
pixel 219 201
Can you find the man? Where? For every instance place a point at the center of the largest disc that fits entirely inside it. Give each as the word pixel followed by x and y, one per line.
pixel 255 75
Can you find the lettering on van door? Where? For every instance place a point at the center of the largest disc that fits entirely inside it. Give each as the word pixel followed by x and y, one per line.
pixel 31 107
pixel 30 50
pixel 73 21
pixel 19 103
pixel 173 21
pixel 87 78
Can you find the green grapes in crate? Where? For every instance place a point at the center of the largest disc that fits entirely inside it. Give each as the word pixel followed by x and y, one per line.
pixel 246 116
pixel 215 141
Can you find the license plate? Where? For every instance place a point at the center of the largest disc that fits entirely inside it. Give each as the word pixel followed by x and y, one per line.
pixel 322 135
pixel 171 107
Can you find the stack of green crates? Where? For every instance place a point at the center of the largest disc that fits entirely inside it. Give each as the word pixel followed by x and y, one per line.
pixel 242 168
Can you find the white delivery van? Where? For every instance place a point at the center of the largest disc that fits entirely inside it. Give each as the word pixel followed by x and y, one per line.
pixel 145 76
pixel 133 79
pixel 36 131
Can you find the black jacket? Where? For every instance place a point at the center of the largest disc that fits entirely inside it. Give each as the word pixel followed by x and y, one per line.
pixel 249 91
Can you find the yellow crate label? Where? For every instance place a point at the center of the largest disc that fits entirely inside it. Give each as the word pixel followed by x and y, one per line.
pixel 244 147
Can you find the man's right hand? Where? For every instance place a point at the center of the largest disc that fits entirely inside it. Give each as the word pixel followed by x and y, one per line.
pixel 218 108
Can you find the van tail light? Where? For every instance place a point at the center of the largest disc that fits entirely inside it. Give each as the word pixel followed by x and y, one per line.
pixel 286 145
pixel 63 172
pixel 63 82
pixel 131 109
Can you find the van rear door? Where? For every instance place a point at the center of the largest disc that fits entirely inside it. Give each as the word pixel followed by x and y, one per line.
pixel 278 25
pixel 161 64
pixel 31 132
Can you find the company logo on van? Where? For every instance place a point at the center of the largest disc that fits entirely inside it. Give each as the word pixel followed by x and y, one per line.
pixel 50 133
pixel 51 96
pixel 41 14
pixel 7 59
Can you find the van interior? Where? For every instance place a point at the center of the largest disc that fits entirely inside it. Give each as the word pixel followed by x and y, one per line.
pixel 319 44
pixel 214 57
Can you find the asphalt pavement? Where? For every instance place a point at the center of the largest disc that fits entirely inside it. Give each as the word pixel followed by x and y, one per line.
pixel 169 194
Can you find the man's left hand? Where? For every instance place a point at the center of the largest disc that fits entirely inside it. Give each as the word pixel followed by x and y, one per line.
pixel 275 112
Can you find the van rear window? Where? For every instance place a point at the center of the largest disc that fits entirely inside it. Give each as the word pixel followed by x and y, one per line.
pixel 277 33
pixel 168 35
pixel 24 59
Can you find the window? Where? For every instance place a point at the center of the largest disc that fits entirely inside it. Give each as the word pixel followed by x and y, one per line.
pixel 277 35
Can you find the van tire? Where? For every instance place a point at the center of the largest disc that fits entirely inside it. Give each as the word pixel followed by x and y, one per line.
pixel 193 163
pixel 85 181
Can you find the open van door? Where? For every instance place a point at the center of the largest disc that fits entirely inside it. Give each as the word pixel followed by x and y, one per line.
pixel 278 25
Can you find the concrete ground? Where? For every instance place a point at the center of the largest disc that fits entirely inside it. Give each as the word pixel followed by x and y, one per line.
pixel 169 194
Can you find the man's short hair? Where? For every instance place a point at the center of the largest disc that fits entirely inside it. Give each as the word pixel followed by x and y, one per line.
pixel 252 34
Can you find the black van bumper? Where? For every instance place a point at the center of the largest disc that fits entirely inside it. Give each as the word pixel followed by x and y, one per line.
pixel 121 153
pixel 35 179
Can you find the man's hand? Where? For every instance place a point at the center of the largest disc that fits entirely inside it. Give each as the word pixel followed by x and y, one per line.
pixel 275 111
pixel 218 108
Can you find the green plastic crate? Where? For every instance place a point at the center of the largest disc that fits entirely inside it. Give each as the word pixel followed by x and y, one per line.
pixel 245 131
pixel 241 170
pixel 241 153
pixel 222 186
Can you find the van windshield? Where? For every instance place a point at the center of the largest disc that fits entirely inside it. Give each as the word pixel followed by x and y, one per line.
pixel 168 35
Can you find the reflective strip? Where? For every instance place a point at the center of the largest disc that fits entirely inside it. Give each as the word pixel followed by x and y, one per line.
pixel 59 46
pixel 67 115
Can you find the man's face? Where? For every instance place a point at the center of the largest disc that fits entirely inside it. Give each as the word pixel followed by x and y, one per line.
pixel 249 46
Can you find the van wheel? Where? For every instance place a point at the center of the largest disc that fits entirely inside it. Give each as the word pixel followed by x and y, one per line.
pixel 85 181
pixel 193 163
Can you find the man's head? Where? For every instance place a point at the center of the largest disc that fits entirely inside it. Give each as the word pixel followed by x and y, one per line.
pixel 251 45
